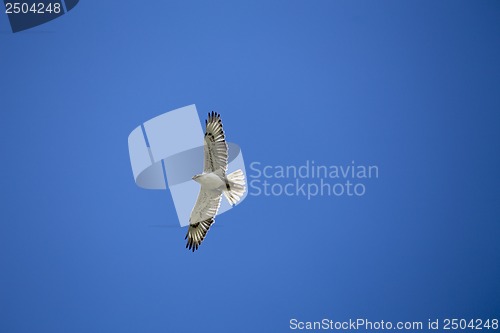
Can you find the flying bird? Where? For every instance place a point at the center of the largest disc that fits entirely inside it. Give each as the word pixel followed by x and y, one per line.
pixel 214 182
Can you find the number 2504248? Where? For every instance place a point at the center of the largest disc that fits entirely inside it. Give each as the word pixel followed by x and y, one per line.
pixel 35 8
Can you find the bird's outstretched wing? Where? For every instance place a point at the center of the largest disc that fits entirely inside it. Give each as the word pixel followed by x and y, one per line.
pixel 197 233
pixel 215 144
pixel 202 217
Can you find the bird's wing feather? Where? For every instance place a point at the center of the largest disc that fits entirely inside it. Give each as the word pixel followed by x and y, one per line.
pixel 215 144
pixel 197 233
pixel 202 217
pixel 206 205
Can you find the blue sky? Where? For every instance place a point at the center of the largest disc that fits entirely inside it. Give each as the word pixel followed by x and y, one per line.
pixel 411 87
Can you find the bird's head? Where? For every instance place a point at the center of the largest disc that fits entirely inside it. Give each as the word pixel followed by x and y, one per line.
pixel 196 177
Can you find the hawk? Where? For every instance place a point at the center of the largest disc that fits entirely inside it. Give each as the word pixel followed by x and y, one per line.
pixel 214 182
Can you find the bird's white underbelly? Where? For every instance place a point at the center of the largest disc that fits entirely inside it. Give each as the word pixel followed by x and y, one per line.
pixel 211 181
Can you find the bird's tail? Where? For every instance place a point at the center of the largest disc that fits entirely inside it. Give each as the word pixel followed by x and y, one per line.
pixel 235 187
